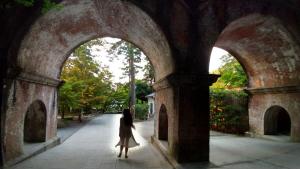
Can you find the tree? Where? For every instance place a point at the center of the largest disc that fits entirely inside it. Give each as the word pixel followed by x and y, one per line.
pixel 133 56
pixel 142 90
pixel 149 73
pixel 119 98
pixel 87 84
pixel 232 74
pixel 68 99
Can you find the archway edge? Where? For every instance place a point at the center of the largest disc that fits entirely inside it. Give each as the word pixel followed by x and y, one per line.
pixel 266 49
pixel 273 108
pixel 53 36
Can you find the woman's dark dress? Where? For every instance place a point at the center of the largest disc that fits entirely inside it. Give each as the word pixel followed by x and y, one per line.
pixel 125 132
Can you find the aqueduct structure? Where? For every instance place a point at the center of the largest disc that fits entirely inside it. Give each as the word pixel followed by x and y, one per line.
pixel 177 36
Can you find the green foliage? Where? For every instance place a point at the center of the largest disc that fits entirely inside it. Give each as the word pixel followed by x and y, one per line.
pixel 68 99
pixel 87 84
pixel 132 57
pixel 232 74
pixel 26 3
pixel 119 98
pixel 141 111
pixel 142 90
pixel 149 73
pixel 122 47
pixel 228 111
pixel 47 4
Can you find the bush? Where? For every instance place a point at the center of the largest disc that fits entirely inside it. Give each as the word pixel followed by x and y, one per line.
pixel 229 111
pixel 141 111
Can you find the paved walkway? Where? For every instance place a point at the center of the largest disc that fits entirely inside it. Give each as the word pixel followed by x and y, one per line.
pixel 236 152
pixel 93 147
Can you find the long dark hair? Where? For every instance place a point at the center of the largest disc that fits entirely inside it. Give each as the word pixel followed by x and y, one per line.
pixel 127 117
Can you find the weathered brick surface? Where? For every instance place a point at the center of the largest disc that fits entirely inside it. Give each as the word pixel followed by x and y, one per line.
pixel 260 103
pixel 270 56
pixel 23 94
pixel 165 97
pixel 53 36
pixel 266 49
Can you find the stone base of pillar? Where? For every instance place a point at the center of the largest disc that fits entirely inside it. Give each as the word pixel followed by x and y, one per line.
pixel 39 148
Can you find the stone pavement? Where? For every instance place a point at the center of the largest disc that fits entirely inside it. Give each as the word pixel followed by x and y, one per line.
pixel 145 128
pixel 93 147
pixel 236 152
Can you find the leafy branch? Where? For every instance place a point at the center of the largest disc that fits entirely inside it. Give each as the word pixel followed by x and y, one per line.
pixel 47 4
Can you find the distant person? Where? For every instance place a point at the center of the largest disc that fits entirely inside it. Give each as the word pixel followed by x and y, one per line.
pixel 126 138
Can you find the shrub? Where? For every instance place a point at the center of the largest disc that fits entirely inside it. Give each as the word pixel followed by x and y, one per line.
pixel 141 111
pixel 228 111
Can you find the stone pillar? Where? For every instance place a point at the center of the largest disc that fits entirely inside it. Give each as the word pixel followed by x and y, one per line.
pixel 188 130
pixel 23 90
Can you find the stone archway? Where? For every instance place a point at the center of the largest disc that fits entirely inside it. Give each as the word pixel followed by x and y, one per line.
pixel 277 121
pixel 268 52
pixel 52 38
pixel 163 123
pixel 265 48
pixel 35 123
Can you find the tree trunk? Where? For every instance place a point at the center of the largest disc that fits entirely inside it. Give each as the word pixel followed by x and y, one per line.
pixel 132 86
pixel 62 115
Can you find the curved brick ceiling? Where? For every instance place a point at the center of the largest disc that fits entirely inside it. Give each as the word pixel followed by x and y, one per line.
pixel 266 50
pixel 53 37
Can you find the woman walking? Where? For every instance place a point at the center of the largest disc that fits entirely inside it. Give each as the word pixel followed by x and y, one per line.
pixel 126 138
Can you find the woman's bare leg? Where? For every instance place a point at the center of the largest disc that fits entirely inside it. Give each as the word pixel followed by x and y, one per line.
pixel 126 146
pixel 121 146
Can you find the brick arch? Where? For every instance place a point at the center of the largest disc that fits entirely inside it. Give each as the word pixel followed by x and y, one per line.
pixel 35 122
pixel 265 48
pixel 269 53
pixel 53 36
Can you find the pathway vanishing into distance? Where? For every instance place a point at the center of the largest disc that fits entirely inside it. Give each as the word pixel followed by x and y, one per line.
pixel 93 147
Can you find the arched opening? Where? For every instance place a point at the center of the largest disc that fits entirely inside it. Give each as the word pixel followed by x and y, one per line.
pixel 35 123
pixel 105 18
pixel 100 77
pixel 267 65
pixel 277 121
pixel 163 123
pixel 228 100
pixel 50 46
pixel 261 43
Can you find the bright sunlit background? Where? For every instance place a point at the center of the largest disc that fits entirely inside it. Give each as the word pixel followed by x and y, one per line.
pixel 115 66
pixel 215 58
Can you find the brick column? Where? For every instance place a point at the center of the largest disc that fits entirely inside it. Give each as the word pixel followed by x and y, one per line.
pixel 189 116
pixel 23 90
